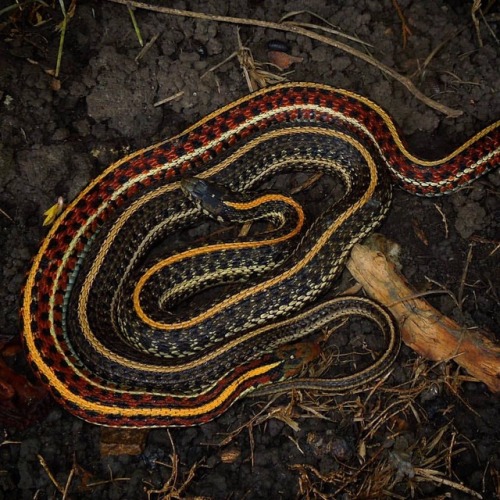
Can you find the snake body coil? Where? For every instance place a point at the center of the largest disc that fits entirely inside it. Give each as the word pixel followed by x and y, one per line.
pixel 98 311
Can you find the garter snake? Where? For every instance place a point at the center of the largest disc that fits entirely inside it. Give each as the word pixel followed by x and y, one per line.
pixel 98 311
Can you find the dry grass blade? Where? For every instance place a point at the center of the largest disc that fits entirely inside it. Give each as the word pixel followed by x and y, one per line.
pixel 4 213
pixel 331 29
pixel 137 30
pixel 437 477
pixel 476 6
pixel 468 260
pixel 168 99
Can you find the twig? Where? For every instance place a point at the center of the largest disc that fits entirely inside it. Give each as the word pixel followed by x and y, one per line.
pixel 146 47
pixel 171 489
pixel 55 482
pixel 445 221
pixel 453 113
pixel 460 297
pixel 405 29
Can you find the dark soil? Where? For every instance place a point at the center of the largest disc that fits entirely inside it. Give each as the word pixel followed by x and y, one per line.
pixel 54 141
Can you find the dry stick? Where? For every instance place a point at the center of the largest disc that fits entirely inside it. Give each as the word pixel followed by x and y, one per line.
pixel 460 298
pixel 453 113
pixel 55 482
pixel 476 6
pixel 405 29
pixel 423 328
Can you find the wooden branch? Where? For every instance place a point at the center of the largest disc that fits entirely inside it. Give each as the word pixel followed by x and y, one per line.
pixel 423 328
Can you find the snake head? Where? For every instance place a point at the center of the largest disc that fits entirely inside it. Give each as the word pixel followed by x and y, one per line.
pixel 208 196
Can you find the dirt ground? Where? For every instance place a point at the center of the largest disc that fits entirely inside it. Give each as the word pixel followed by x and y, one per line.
pixel 439 436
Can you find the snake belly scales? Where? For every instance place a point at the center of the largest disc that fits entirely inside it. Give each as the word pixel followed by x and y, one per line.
pixel 93 327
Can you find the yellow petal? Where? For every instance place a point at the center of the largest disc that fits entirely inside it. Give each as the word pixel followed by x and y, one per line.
pixel 52 213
